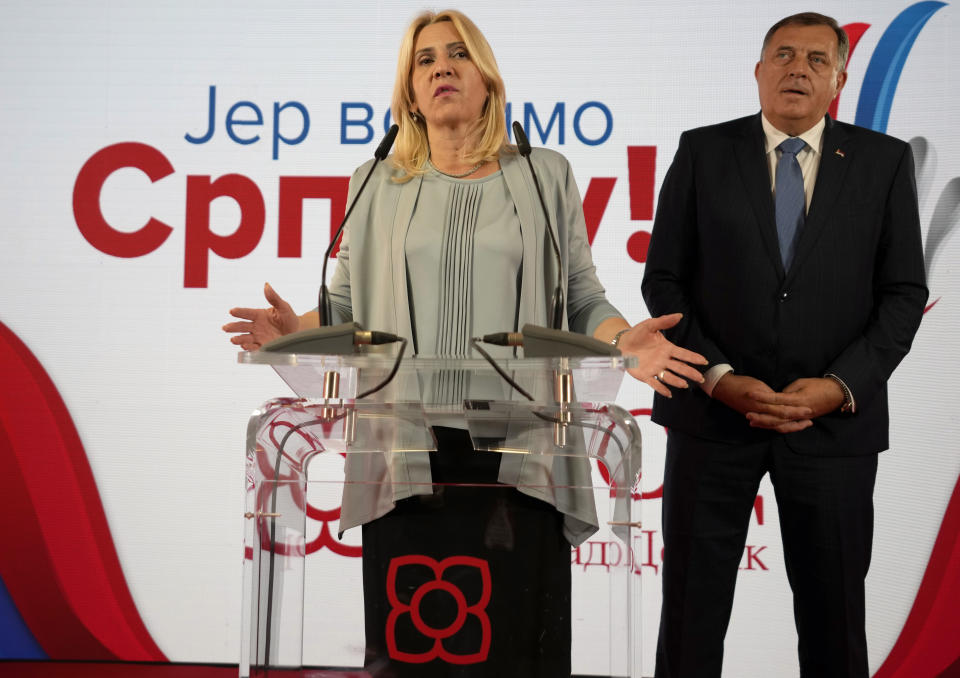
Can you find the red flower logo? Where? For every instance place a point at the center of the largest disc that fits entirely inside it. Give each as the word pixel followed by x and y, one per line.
pixel 400 609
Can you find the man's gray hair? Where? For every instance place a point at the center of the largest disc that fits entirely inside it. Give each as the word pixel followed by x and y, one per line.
pixel 813 19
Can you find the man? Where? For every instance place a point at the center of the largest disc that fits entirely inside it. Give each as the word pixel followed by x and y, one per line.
pixel 799 271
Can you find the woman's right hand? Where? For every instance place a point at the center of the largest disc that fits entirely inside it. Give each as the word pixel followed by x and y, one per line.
pixel 262 325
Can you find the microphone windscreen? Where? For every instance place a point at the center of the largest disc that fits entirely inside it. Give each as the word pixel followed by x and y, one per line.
pixel 523 144
pixel 383 150
pixel 333 340
pixel 542 342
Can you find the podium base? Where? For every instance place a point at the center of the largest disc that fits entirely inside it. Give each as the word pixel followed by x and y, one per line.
pixel 471 580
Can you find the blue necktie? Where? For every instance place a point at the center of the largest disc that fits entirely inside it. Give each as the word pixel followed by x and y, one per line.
pixel 790 200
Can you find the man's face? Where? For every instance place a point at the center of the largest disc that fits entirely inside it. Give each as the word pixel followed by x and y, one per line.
pixel 798 77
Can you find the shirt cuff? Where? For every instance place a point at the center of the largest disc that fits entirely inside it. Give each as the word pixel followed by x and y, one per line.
pixel 713 375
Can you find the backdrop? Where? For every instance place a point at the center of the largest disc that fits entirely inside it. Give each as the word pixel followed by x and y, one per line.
pixel 161 161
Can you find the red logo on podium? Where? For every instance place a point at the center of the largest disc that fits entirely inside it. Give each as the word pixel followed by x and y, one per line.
pixel 399 609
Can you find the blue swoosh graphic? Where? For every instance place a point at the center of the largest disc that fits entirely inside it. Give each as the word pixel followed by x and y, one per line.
pixel 883 73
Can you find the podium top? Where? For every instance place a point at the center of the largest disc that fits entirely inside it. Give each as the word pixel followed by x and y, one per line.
pixel 596 378
pixel 433 363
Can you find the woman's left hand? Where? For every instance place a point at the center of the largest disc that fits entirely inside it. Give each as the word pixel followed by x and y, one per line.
pixel 661 363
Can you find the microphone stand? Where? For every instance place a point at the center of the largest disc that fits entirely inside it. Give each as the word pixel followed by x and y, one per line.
pixel 523 146
pixel 323 306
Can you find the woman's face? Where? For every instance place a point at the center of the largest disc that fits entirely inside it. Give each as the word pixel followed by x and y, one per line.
pixel 448 89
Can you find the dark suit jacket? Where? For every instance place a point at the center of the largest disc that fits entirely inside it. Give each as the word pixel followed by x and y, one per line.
pixel 850 304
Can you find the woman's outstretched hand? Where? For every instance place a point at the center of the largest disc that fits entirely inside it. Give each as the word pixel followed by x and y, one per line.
pixel 261 325
pixel 662 364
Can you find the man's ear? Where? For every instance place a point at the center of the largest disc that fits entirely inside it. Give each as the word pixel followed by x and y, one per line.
pixel 841 80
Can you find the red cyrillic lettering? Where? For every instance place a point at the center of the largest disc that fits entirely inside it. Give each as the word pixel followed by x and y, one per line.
pixel 293 191
pixel 647 549
pixel 86 199
pixel 615 545
pixel 200 240
pixel 603 555
pixel 595 203
pixel 751 556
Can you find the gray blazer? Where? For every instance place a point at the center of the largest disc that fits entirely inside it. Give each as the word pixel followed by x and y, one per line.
pixel 370 287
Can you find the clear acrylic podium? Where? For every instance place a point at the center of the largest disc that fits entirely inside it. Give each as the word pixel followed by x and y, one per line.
pixel 324 461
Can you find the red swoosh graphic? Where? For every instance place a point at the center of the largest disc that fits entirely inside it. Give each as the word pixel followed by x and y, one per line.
pixel 930 640
pixel 59 562
pixel 854 33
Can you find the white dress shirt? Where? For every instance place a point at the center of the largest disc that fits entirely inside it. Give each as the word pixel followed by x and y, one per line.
pixel 809 160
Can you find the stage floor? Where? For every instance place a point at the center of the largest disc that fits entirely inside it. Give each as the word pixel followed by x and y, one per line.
pixel 47 669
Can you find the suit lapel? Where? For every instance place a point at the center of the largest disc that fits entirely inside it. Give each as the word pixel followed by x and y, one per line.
pixel 833 167
pixel 755 172
pixel 401 224
pixel 522 191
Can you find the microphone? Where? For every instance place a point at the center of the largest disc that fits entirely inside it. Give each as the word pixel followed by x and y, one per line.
pixel 334 340
pixel 523 146
pixel 323 306
pixel 383 150
pixel 542 342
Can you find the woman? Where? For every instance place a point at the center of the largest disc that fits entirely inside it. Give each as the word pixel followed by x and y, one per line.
pixel 447 244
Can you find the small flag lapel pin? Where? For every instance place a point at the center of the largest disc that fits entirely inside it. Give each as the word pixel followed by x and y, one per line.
pixel 840 153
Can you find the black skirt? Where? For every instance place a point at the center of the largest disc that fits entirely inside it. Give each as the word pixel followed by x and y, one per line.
pixel 468 581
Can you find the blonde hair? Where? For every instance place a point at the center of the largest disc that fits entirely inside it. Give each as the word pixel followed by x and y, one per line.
pixel 412 147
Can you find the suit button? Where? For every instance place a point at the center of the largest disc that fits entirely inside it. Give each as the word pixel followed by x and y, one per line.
pixel 784 296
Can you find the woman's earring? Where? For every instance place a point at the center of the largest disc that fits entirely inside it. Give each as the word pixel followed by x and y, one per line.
pixel 413 114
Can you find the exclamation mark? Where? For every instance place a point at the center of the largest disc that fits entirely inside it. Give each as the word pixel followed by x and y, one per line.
pixel 642 166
